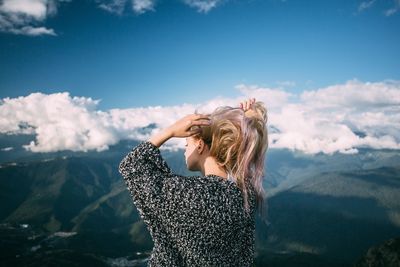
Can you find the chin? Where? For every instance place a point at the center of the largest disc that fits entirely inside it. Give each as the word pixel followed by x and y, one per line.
pixel 190 168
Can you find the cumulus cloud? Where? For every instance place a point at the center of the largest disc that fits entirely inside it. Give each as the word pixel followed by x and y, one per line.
pixel 59 121
pixel 25 16
pixel 355 94
pixel 338 118
pixel 275 98
pixel 343 117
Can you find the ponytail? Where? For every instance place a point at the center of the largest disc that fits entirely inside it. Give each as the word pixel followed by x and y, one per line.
pixel 239 141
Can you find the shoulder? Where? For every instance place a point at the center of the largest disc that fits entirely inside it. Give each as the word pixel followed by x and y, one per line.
pixel 199 186
pixel 185 184
pixel 200 195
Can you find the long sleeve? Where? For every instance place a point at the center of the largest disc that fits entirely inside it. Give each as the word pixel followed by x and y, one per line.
pixel 145 172
pixel 192 219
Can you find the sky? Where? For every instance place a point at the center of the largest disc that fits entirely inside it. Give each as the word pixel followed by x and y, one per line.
pixel 83 75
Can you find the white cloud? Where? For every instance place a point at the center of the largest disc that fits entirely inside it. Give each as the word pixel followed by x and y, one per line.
pixel 118 6
pixel 354 94
pixel 203 6
pixel 338 118
pixel 342 118
pixel 273 97
pixel 34 8
pixel 33 31
pixel 142 6
pixel 114 6
pixel 59 122
pixel 25 16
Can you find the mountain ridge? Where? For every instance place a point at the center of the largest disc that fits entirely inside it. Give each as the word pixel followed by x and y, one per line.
pixel 319 212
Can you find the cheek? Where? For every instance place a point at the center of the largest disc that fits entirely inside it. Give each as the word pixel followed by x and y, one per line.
pixel 186 153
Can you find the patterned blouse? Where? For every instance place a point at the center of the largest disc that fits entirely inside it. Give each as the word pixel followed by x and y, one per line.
pixel 193 220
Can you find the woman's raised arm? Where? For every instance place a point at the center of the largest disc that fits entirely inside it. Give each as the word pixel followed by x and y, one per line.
pixel 181 128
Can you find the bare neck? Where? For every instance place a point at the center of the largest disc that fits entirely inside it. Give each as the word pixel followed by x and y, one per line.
pixel 210 166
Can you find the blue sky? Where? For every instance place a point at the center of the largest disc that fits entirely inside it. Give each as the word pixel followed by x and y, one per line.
pixel 175 53
pixel 83 75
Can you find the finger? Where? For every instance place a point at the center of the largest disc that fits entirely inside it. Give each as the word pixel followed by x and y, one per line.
pixel 198 123
pixel 201 123
pixel 201 116
pixel 193 132
pixel 252 103
pixel 244 105
pixel 247 105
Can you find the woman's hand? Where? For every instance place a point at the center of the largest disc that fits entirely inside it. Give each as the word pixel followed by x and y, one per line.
pixel 181 128
pixel 247 105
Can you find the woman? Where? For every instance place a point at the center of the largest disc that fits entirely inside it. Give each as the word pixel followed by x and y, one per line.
pixel 206 220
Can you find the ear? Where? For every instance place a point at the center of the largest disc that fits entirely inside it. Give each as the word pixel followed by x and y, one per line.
pixel 200 146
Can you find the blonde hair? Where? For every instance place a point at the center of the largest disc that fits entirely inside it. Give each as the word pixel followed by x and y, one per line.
pixel 238 141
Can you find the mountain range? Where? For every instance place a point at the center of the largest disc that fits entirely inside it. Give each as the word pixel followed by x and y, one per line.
pixel 72 208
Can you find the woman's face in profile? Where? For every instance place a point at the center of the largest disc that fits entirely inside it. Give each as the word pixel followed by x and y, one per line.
pixel 191 155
